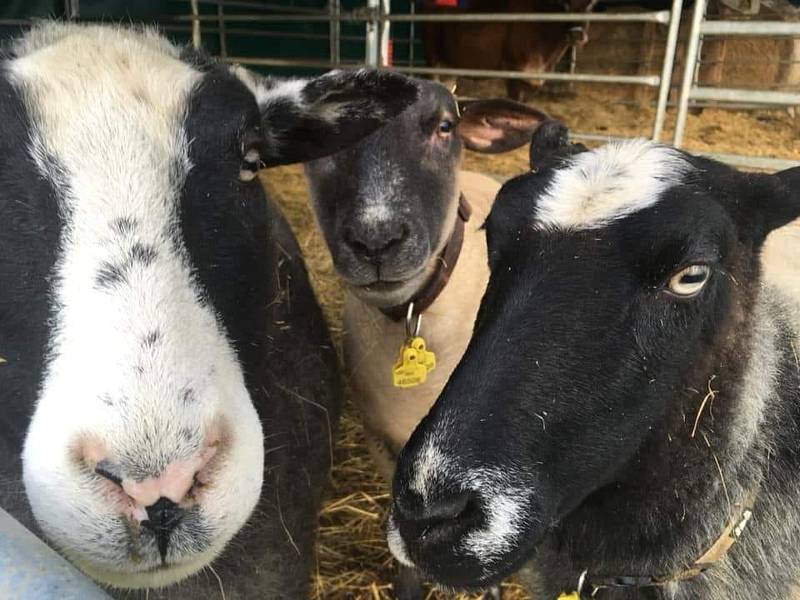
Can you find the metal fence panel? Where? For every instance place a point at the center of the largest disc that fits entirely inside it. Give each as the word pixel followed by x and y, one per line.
pixel 31 570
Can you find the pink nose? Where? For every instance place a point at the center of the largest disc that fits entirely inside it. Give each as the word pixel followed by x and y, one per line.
pixel 157 504
pixel 133 497
pixel 173 483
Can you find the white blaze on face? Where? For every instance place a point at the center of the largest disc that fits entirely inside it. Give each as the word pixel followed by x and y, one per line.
pixel 139 368
pixel 505 509
pixel 380 182
pixel 396 544
pixel 611 182
pixel 430 467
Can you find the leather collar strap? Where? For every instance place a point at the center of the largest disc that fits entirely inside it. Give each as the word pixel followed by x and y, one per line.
pixel 740 518
pixel 444 268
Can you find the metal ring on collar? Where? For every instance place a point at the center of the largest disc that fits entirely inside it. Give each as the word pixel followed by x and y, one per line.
pixel 412 332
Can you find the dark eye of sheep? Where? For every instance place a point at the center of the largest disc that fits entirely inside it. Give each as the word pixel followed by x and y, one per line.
pixel 689 281
pixel 445 127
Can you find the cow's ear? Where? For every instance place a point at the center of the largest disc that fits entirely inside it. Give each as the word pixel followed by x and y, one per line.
pixel 497 125
pixel 305 119
pixel 551 143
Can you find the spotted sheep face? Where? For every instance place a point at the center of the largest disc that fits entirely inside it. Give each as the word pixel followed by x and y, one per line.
pixel 622 279
pixel 135 270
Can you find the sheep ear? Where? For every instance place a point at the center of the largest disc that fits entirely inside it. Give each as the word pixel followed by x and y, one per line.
pixel 785 207
pixel 759 203
pixel 790 179
pixel 497 125
pixel 305 119
pixel 551 143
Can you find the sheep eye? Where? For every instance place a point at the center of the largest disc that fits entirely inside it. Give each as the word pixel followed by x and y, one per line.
pixel 445 127
pixel 689 281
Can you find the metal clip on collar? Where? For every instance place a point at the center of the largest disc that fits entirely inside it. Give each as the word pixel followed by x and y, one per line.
pixel 412 331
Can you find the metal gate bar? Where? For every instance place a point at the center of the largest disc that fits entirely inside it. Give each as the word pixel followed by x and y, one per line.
pixel 747 96
pixel 666 68
pixel 378 19
pixel 662 16
pixel 648 80
pixel 690 90
pixel 31 570
pixel 748 28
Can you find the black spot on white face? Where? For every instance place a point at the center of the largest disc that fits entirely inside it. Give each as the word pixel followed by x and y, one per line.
pixel 124 226
pixel 109 275
pixel 115 273
pixel 187 435
pixel 142 254
pixel 188 396
pixel 152 339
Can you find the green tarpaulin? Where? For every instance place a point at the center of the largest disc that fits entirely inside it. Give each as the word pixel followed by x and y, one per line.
pixel 274 40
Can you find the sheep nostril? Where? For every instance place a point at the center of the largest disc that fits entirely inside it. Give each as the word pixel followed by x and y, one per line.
pixel 448 515
pixel 356 244
pixel 106 471
pixel 395 239
pixel 449 508
pixel 401 236
pixel 373 243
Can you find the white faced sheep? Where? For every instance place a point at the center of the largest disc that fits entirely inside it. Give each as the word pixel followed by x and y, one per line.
pixel 168 385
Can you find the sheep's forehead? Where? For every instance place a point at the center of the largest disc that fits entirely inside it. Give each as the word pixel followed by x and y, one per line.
pixel 100 93
pixel 108 109
pixel 601 186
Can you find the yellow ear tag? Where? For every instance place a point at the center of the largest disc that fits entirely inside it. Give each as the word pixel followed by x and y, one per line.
pixel 409 370
pixel 428 358
pixel 415 361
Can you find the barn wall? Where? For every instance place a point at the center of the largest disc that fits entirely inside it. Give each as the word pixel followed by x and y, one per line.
pixel 620 49
pixel 612 49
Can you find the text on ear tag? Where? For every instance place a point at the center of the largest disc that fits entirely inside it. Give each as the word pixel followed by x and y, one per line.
pixel 410 369
pixel 413 364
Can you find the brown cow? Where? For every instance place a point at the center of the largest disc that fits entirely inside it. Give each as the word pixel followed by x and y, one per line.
pixel 526 46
